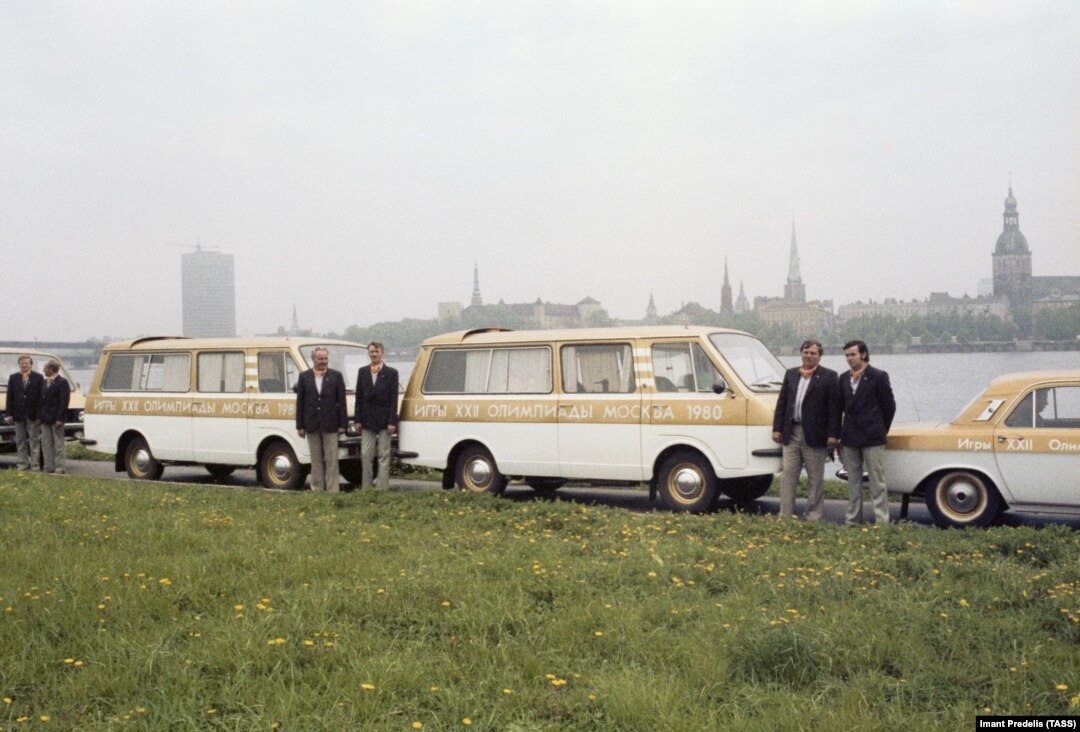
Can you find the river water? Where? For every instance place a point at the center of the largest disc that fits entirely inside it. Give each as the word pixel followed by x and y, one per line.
pixel 930 387
pixel 934 387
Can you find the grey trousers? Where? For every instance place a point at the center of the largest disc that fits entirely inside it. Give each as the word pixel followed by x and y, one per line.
pixel 28 445
pixel 797 455
pixel 873 460
pixel 53 448
pixel 323 447
pixel 369 440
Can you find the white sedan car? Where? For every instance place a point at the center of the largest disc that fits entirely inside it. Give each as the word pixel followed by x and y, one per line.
pixel 1015 447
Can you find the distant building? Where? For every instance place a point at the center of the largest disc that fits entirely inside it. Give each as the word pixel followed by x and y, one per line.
pixel 1012 269
pixel 742 305
pixel 547 315
pixel 208 287
pixel 939 303
pixel 651 314
pixel 793 309
pixel 726 305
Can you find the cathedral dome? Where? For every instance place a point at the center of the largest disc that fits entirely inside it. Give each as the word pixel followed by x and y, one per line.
pixel 1012 241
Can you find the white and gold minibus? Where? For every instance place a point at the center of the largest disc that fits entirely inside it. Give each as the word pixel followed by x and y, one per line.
pixel 223 403
pixel 686 409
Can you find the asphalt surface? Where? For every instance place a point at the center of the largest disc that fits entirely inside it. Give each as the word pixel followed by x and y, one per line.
pixel 631 499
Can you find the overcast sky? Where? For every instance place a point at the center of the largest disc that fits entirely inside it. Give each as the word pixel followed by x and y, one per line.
pixel 357 157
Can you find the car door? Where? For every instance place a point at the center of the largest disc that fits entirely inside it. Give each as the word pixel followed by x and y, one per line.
pixel 599 413
pixel 1037 448
pixel 220 408
pixel 686 410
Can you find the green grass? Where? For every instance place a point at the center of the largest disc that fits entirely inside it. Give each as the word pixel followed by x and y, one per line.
pixel 155 606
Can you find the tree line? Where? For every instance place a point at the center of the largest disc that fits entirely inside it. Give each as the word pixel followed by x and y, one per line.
pixel 403 337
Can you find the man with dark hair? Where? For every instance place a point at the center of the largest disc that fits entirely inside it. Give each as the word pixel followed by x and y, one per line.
pixel 869 408
pixel 807 423
pixel 55 397
pixel 376 414
pixel 322 415
pixel 23 399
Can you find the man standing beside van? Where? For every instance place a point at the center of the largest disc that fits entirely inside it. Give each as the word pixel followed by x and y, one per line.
pixel 869 408
pixel 53 411
pixel 23 399
pixel 376 414
pixel 322 415
pixel 807 423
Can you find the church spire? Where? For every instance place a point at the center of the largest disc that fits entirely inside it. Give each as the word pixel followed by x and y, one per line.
pixel 476 299
pixel 794 277
pixel 794 290
pixel 742 304
pixel 725 292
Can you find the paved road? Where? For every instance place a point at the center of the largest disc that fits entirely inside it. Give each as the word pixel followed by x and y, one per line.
pixel 633 499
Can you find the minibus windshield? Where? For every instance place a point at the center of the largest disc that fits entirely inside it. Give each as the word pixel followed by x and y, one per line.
pixel 346 359
pixel 752 361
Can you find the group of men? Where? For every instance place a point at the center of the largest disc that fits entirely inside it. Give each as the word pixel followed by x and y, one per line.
pixel 37 407
pixel 819 411
pixel 322 416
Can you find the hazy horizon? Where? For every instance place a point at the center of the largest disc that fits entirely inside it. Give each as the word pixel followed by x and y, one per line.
pixel 357 158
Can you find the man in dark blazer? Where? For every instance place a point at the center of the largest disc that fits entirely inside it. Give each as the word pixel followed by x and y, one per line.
pixel 23 399
pixel 869 408
pixel 376 414
pixel 322 415
pixel 807 423
pixel 53 413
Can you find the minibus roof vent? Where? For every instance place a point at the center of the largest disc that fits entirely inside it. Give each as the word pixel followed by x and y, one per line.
pixel 148 339
pixel 476 331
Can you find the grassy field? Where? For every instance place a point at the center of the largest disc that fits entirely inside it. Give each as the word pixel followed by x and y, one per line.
pixel 154 606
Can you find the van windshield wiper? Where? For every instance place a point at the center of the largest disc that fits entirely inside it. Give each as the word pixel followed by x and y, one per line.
pixel 768 381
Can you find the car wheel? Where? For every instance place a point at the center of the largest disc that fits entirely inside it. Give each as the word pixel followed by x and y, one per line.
pixel 477 472
pixel 220 472
pixel 140 462
pixel 687 482
pixel 747 489
pixel 545 485
pixel 961 498
pixel 279 468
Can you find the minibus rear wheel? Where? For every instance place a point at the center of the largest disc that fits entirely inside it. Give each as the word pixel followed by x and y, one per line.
pixel 687 482
pixel 140 462
pixel 279 468
pixel 477 472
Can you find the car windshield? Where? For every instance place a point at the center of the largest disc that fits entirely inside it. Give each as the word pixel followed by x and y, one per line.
pixel 754 364
pixel 346 359
pixel 9 364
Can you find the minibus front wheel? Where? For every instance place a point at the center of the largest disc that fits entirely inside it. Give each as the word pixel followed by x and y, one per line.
pixel 477 472
pixel 687 482
pixel 140 462
pixel 279 468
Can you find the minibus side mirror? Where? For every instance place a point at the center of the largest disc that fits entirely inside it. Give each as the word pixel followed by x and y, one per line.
pixel 719 386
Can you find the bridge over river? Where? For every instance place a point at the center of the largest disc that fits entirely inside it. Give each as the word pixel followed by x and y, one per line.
pixel 83 355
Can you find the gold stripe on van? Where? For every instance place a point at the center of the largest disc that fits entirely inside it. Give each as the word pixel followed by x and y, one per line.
pixel 631 410
pixel 192 406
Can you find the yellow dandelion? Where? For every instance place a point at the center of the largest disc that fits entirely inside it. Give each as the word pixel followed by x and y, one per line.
pixel 445 603
pixel 1062 687
pixel 508 692
pixel 211 712
pixel 592 697
pixel 367 687
pixel 417 725
pixel 69 660
pixel 466 721
pixel 7 700
pixel 44 717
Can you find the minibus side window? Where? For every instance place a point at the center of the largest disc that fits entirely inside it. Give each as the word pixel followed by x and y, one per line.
pixel 520 371
pixel 606 368
pixel 489 371
pixel 704 370
pixel 277 373
pixel 147 372
pixel 221 372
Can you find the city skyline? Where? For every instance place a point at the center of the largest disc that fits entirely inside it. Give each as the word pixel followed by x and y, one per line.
pixel 357 162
